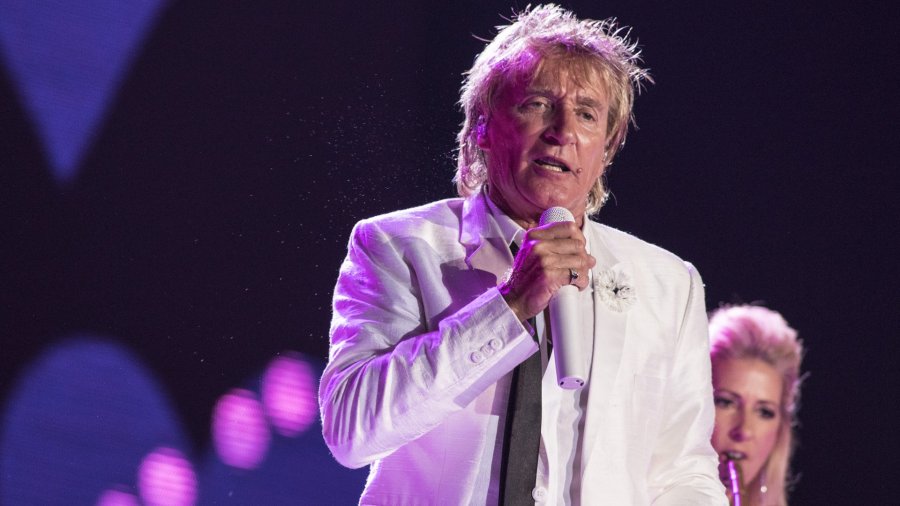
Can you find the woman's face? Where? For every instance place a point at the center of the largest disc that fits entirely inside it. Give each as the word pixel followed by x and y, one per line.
pixel 747 395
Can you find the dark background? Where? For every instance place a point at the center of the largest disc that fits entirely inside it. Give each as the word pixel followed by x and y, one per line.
pixel 208 217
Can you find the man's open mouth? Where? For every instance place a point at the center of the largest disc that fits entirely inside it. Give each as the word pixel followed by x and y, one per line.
pixel 552 164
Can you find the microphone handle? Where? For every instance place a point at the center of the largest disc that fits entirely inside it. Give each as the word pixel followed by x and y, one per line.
pixel 568 347
pixel 734 478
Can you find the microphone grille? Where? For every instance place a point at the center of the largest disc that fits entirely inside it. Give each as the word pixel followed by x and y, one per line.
pixel 556 214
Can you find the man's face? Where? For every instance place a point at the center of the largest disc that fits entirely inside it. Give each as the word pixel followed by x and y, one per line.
pixel 545 142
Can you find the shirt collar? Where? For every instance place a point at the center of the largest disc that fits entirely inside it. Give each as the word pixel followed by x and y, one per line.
pixel 510 231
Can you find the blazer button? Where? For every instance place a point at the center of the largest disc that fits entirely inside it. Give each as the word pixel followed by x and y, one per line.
pixel 539 494
pixel 495 343
pixel 476 357
pixel 487 350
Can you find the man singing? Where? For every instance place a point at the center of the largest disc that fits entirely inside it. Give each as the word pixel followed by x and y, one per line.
pixel 442 375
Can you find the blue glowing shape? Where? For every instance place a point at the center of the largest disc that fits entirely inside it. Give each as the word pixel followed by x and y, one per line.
pixel 81 420
pixel 67 60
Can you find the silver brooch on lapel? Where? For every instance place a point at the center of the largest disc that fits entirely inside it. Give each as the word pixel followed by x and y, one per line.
pixel 614 288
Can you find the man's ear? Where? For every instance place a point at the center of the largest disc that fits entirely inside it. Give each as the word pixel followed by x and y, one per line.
pixel 481 137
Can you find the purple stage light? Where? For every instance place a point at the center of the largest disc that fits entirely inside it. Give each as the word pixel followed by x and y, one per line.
pixel 113 497
pixel 289 394
pixel 166 478
pixel 240 434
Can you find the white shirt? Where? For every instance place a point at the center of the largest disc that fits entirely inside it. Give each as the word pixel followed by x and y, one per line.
pixel 560 464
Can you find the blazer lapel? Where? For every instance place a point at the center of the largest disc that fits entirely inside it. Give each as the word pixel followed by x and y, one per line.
pixel 480 235
pixel 610 333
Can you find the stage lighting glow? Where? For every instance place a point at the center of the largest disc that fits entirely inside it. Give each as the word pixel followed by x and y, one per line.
pixel 240 434
pixel 113 497
pixel 166 478
pixel 289 394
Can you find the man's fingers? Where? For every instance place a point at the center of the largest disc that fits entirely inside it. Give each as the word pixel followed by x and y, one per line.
pixel 576 271
pixel 558 230
pixel 551 257
pixel 563 247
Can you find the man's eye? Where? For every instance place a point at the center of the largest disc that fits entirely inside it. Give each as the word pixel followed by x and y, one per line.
pixel 537 105
pixel 588 116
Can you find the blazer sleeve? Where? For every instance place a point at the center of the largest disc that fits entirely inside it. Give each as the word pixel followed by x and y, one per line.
pixel 683 467
pixel 390 378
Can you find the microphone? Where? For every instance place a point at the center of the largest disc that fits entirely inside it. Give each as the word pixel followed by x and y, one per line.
pixel 731 476
pixel 568 344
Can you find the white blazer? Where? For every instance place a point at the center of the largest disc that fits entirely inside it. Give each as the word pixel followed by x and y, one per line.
pixel 422 347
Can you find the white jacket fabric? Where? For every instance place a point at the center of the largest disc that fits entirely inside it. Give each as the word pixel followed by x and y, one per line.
pixel 423 346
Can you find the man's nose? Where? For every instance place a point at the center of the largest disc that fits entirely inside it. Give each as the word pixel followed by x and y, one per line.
pixel 561 130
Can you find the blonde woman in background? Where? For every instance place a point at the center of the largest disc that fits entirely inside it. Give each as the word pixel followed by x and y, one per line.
pixel 756 386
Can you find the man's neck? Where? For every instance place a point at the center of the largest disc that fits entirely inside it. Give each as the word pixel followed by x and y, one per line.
pixel 527 222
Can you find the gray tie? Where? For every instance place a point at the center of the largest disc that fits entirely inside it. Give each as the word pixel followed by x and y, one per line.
pixel 522 435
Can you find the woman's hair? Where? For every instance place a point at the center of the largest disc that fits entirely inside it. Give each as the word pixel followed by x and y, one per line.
pixel 517 52
pixel 746 331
